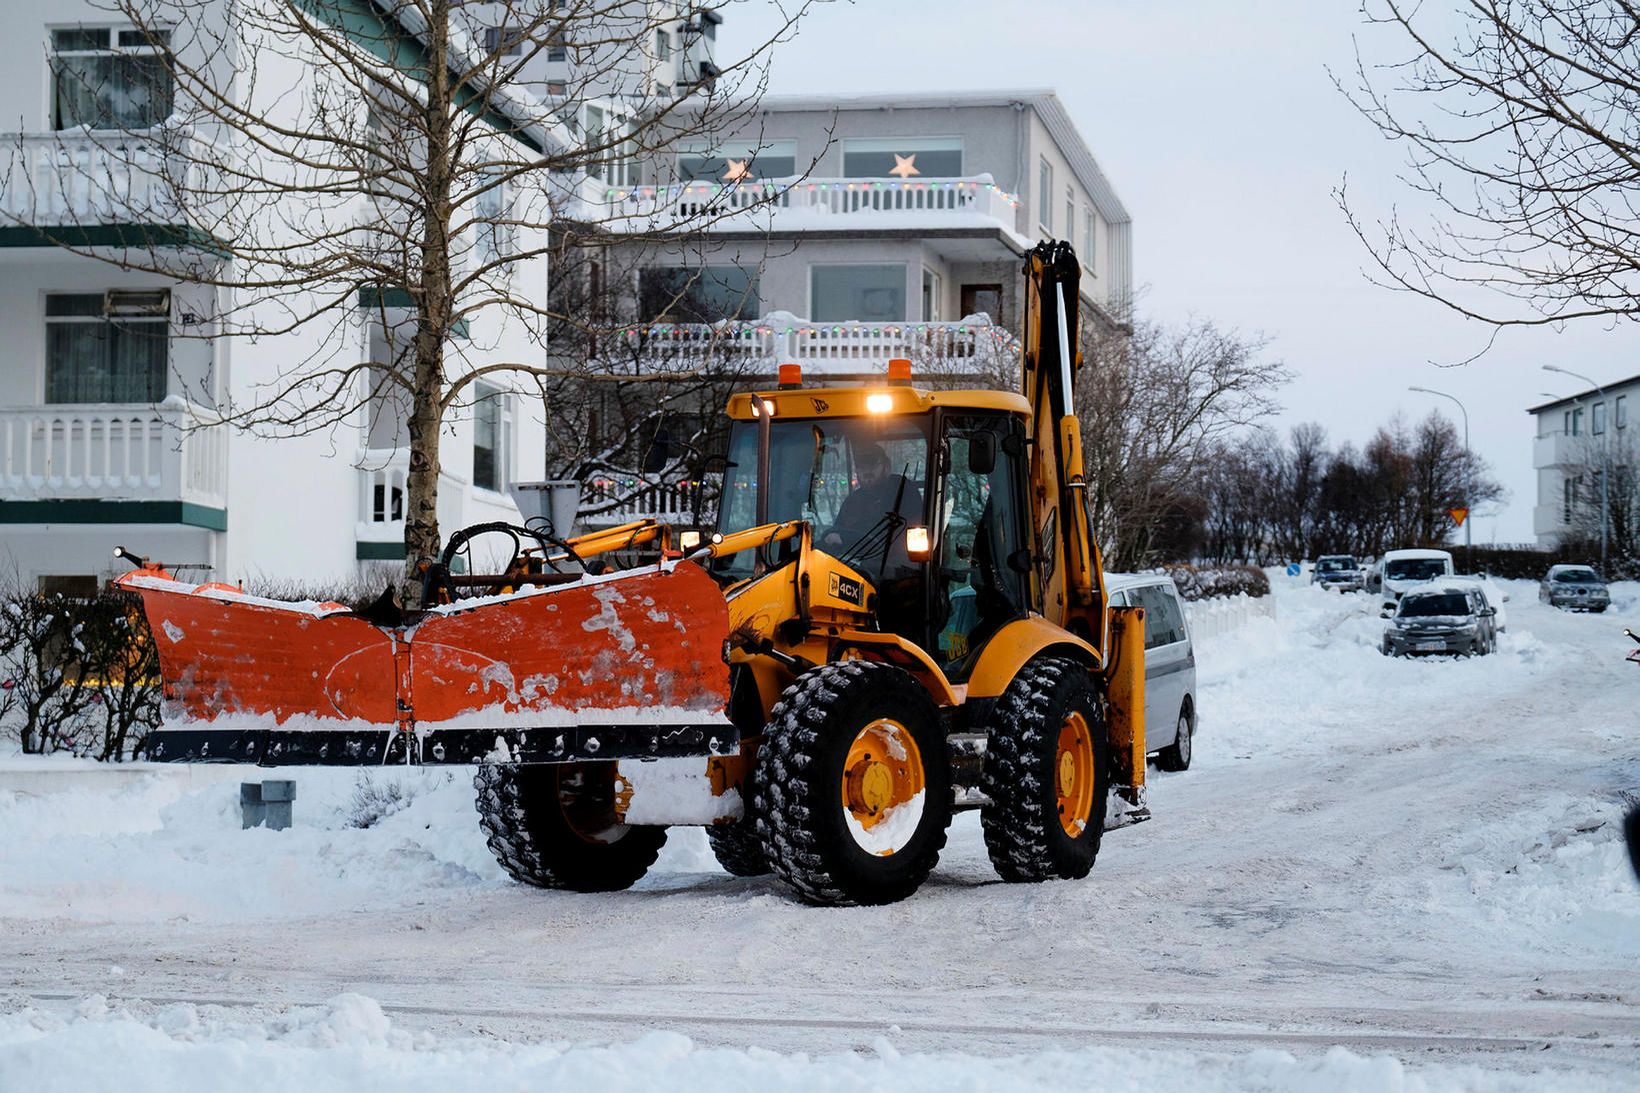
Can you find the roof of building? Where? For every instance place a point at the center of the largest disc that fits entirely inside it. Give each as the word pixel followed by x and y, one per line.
pixel 1582 396
pixel 1043 100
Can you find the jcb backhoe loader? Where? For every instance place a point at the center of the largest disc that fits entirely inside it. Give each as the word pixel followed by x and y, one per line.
pixel 900 615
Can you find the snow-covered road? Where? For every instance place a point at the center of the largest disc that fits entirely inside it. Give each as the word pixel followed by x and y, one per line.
pixel 1418 861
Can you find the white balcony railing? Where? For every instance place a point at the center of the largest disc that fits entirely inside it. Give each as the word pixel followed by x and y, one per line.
pixel 112 452
pixel 75 177
pixel 809 203
pixel 608 502
pixel 970 346
pixel 384 475
pixel 1562 450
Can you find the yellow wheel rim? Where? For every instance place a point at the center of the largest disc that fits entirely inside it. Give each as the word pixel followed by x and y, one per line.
pixel 883 782
pixel 1073 775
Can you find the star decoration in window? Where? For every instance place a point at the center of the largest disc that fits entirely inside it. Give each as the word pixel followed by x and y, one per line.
pixel 905 166
pixel 740 170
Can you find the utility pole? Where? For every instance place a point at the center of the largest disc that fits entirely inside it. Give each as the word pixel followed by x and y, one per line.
pixel 1605 460
pixel 1469 471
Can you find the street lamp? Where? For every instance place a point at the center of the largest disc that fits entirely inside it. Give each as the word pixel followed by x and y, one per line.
pixel 1469 471
pixel 1605 463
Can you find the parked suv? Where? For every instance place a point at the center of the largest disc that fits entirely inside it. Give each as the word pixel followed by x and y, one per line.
pixel 1442 618
pixel 1170 664
pixel 1338 571
pixel 1575 588
pixel 1401 570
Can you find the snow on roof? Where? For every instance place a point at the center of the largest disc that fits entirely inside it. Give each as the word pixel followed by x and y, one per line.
pixel 1607 388
pixel 1413 554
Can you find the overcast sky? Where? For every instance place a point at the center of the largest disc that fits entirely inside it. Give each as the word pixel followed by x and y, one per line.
pixel 1220 129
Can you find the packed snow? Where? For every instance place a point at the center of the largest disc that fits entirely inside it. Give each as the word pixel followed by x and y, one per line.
pixel 1379 874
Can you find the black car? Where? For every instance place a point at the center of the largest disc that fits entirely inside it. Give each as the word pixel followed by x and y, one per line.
pixel 1450 619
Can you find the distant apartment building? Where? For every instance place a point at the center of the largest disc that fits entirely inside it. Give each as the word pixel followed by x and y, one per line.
pixel 1579 439
pixel 112 378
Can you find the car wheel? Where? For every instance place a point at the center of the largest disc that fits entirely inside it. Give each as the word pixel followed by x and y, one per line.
pixel 1384 648
pixel 1176 756
pixel 1598 610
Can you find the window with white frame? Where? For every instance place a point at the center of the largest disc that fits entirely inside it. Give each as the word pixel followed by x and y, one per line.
pixel 107 347
pixel 1070 213
pixel 1044 195
pixel 711 162
pixel 1620 411
pixel 663 45
pixel 930 296
pixel 902 157
pixel 492 437
pixel 1090 236
pixel 504 41
pixel 1571 487
pixel 491 211
pixel 1597 418
pixel 874 293
pixel 109 78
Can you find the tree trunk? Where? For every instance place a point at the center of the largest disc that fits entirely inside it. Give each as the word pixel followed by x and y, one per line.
pixel 421 531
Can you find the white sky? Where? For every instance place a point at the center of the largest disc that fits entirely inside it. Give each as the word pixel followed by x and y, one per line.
pixel 1221 131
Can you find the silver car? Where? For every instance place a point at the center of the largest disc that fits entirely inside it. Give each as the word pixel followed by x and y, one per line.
pixel 1170 664
pixel 1574 588
pixel 1338 571
pixel 1450 617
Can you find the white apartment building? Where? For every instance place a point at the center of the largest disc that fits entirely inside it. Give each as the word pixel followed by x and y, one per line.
pixel 111 377
pixel 836 232
pixel 1576 438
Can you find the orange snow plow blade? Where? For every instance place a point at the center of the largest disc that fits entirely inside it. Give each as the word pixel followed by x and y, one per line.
pixel 623 666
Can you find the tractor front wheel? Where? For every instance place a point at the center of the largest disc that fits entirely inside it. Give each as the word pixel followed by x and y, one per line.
pixel 553 825
pixel 853 786
pixel 1047 774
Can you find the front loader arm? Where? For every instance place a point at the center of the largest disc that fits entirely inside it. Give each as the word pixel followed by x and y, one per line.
pixel 1074 593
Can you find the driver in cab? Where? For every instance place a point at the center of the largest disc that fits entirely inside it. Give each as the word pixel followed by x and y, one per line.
pixel 876 497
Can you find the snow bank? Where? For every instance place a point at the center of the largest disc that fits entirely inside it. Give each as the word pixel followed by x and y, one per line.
pixel 159 848
pixel 352 1045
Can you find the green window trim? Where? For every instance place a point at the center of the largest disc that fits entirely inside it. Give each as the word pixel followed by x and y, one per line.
pixel 103 511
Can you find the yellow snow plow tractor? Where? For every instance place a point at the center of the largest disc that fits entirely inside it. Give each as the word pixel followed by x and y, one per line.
pixel 901 615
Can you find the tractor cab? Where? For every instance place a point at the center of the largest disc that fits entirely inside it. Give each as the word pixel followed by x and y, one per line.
pixel 922 493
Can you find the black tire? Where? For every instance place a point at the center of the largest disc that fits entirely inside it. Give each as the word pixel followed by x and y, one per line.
pixel 738 848
pixel 1024 833
pixel 799 785
pixel 1176 756
pixel 553 826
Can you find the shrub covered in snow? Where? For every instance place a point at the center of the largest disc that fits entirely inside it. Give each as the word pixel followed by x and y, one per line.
pixel 1206 582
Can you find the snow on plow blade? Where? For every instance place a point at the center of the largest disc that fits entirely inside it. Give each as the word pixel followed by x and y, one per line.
pixel 614 667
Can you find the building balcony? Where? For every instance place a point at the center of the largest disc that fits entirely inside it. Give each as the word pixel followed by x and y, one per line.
pixel 95 184
pixel 610 502
pixel 122 453
pixel 384 475
pixel 972 346
pixel 812 204
pixel 1562 450
pixel 1549 520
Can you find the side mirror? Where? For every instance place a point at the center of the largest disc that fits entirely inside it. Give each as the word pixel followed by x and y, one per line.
pixel 982 453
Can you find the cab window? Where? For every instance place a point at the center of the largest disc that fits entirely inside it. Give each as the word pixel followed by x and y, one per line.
pixel 979 577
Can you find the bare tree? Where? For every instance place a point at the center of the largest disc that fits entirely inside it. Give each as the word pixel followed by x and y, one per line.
pixel 323 163
pixel 1522 126
pixel 1154 405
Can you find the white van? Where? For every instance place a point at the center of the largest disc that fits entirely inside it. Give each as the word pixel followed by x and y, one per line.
pixel 1399 570
pixel 1170 664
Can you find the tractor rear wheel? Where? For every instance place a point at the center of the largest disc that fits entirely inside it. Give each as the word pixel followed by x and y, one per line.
pixel 553 825
pixel 1047 774
pixel 853 786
